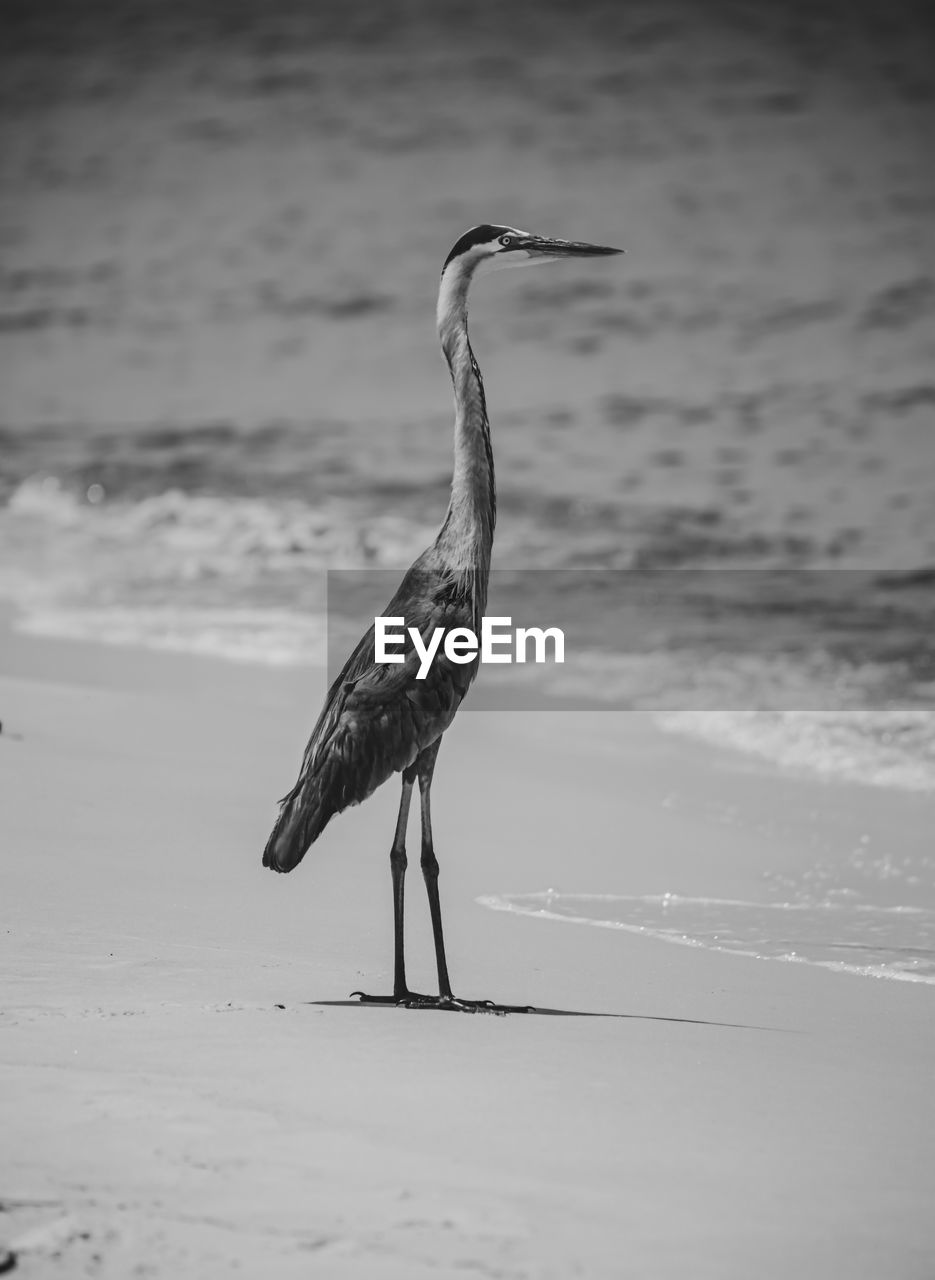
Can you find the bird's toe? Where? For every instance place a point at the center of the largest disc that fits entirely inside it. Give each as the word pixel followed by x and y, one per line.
pixel 402 1000
pixel 456 1004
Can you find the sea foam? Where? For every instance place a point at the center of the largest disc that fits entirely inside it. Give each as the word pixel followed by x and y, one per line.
pixel 896 943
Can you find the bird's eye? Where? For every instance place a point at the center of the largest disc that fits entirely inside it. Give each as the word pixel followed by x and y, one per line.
pixel 506 240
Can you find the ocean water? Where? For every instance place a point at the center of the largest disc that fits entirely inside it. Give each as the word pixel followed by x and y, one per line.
pixel 829 672
pixel 219 251
pixel 865 939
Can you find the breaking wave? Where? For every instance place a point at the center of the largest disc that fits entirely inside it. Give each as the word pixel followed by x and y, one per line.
pixel 243 577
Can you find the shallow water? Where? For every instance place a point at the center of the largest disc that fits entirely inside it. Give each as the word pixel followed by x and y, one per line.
pixel 897 943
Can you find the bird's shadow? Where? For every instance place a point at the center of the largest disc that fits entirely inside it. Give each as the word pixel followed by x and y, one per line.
pixel 535 1010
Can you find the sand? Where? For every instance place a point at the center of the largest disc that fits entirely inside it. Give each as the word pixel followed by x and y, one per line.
pixel 186 1090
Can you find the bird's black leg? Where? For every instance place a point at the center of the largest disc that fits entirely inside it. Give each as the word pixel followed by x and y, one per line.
pixel 426 767
pixel 398 862
pixel 423 768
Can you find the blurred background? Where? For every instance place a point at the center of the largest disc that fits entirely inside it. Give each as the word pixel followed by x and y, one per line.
pixel 221 230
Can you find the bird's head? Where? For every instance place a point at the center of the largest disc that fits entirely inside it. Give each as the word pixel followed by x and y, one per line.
pixel 489 248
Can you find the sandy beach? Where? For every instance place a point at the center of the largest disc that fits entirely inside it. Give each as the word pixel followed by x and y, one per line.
pixel 187 1090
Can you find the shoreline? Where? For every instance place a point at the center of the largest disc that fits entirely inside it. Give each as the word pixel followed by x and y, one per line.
pixel 881 972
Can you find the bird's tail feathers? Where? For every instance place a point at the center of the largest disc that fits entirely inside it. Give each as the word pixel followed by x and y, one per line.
pixel 300 823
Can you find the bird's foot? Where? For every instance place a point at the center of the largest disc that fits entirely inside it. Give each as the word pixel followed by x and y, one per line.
pixel 457 1005
pixel 402 999
pixel 448 1004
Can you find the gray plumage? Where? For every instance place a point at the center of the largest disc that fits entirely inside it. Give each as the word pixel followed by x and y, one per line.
pixel 378 718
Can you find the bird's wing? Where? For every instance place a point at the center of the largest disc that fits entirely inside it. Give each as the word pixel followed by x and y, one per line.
pixel 378 717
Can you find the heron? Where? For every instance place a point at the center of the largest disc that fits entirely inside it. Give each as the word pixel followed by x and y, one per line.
pixel 378 718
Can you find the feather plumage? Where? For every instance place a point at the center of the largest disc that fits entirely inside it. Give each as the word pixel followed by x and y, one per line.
pixel 377 717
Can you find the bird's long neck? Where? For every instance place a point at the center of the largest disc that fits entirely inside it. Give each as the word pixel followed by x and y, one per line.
pixel 466 537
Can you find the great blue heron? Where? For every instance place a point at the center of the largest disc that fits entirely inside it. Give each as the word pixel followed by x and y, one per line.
pixel 378 719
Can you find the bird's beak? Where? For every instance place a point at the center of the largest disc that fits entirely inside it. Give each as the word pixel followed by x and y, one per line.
pixel 545 247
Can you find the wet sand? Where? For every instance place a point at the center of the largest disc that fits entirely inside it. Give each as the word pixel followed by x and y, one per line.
pixel 187 1090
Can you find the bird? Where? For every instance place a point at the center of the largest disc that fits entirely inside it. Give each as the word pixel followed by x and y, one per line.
pixel 378 718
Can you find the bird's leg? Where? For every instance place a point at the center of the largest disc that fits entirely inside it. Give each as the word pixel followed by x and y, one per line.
pixel 398 862
pixel 446 1000
pixel 423 768
pixel 426 767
